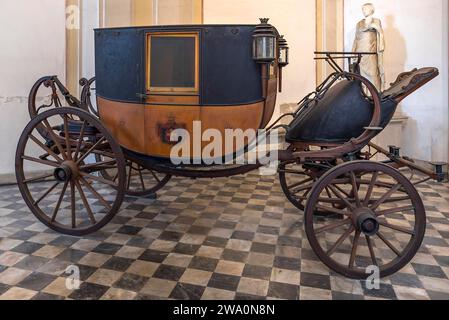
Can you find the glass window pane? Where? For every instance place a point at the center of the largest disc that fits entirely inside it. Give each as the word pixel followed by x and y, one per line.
pixel 172 62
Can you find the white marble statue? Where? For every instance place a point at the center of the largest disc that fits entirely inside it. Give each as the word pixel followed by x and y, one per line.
pixel 370 38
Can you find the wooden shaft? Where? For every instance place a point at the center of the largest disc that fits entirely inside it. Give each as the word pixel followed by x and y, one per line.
pixel 404 162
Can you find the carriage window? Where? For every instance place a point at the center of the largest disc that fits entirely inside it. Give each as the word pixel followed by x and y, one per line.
pixel 173 62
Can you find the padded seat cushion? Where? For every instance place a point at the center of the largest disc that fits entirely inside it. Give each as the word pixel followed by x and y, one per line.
pixel 342 114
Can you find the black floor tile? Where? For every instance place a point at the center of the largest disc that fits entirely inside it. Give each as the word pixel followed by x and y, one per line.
pixel 315 280
pixel 283 291
pixel 225 282
pixel 117 264
pixel 203 263
pixel 153 256
pixel 89 291
pixel 36 281
pixel 107 248
pixel 184 291
pixel 131 282
pixel 169 272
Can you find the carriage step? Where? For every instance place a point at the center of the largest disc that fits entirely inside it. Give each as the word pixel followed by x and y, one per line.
pixel 75 128
pixel 441 169
pixel 395 151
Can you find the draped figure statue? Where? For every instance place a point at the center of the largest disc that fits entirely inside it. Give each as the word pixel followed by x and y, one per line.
pixel 370 38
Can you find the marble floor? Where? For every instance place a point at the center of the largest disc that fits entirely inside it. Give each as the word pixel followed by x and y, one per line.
pixel 236 238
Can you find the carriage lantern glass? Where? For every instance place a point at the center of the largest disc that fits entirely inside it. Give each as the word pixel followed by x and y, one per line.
pixel 283 52
pixel 264 42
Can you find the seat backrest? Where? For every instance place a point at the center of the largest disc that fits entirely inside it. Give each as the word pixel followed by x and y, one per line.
pixel 408 82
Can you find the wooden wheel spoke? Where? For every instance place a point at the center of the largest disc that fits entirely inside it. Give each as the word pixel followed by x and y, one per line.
pixel 370 188
pixel 142 180
pixel 332 226
pixel 97 166
pixel 299 183
pixel 155 176
pixel 95 193
pixel 339 195
pixel 355 244
pixel 41 161
pixel 394 210
pixel 304 188
pixel 385 196
pixel 340 240
pixel 47 149
pixel 342 191
pixel 42 177
pixel 88 152
pixel 99 179
pixel 397 228
pixel 389 244
pixel 73 203
pixel 55 139
pixel 355 189
pixel 67 137
pixel 58 204
pixel 103 153
pixel 333 210
pixel 49 190
pixel 80 141
pixel 329 195
pixel 371 250
pixel 128 182
pixel 85 202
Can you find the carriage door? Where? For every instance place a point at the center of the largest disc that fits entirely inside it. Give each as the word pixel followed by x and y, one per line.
pixel 172 86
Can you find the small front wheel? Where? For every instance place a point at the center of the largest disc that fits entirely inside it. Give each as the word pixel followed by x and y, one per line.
pixel 59 176
pixel 379 221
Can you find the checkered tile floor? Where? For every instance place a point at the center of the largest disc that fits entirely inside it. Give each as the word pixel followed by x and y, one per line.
pixel 236 238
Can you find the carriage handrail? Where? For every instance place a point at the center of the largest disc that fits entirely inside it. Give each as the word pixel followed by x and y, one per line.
pixel 331 56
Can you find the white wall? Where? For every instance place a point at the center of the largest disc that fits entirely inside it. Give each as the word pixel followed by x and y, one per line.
pixel 90 20
pixel 32 45
pixel 416 36
pixel 295 19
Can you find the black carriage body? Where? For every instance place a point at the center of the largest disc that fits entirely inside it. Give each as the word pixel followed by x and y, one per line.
pixel 227 73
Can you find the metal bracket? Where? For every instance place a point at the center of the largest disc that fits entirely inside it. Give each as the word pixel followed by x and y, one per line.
pixel 441 170
pixel 142 96
pixel 395 152
pixel 373 128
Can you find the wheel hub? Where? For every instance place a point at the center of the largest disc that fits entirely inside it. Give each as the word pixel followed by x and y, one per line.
pixel 66 171
pixel 365 221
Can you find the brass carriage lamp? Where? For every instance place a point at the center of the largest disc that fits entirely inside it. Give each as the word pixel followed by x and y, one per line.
pixel 283 52
pixel 283 59
pixel 264 42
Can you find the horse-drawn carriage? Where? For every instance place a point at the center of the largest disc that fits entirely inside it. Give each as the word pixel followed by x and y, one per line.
pixel 151 81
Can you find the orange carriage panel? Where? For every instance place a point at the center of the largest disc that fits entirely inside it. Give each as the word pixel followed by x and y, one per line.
pixel 242 117
pixel 161 120
pixel 270 102
pixel 125 121
pixel 146 129
pixel 193 100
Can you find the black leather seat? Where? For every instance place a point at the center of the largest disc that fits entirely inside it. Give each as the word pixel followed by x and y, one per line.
pixel 342 114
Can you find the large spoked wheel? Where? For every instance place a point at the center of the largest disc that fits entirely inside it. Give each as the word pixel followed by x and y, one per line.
pixel 140 182
pixel 384 219
pixel 71 197
pixel 297 180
